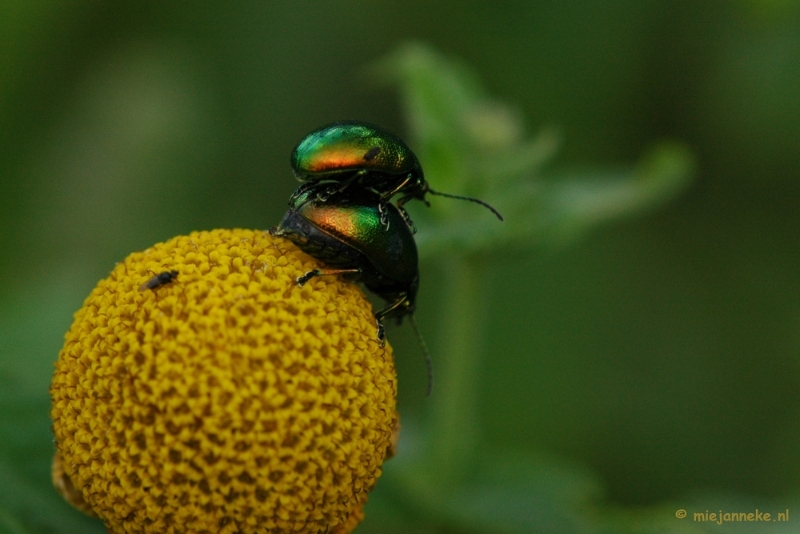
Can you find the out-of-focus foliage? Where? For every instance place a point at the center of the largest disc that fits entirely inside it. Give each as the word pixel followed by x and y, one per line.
pixel 649 366
pixel 472 144
pixel 476 146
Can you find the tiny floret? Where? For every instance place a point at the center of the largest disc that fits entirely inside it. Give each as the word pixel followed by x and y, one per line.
pixel 223 397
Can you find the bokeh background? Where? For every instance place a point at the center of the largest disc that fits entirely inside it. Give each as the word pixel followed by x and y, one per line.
pixel 658 355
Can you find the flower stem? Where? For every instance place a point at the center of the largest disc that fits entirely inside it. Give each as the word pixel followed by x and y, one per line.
pixel 453 420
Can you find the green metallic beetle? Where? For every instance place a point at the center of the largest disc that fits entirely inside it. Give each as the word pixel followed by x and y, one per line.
pixel 345 231
pixel 353 154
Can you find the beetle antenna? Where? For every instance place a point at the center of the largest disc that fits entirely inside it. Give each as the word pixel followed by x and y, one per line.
pixel 424 348
pixel 477 201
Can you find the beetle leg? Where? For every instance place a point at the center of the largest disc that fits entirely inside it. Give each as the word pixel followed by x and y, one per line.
pixel 407 219
pixel 384 215
pixel 387 196
pixel 402 200
pixel 300 190
pixel 379 315
pixel 400 203
pixel 381 333
pixel 301 280
pixel 346 183
pixel 326 193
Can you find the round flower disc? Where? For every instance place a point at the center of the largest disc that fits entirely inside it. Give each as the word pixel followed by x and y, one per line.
pixel 200 389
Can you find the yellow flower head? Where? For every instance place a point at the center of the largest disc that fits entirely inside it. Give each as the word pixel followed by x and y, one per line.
pixel 223 397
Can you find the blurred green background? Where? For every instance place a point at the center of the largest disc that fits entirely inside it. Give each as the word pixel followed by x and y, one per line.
pixel 658 357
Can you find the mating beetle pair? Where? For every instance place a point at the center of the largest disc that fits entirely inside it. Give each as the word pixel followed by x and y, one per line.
pixel 342 213
pixel 354 154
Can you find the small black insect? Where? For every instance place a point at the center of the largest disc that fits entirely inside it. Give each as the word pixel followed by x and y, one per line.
pixel 159 280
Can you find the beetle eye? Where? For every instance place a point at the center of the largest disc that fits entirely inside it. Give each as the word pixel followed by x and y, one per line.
pixel 371 153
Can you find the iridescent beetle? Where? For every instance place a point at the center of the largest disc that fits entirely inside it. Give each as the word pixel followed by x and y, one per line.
pixel 345 231
pixel 348 154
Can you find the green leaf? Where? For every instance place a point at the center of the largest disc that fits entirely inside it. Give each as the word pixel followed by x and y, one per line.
pixel 515 493
pixel 31 334
pixel 9 524
pixel 470 144
pixel 501 492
